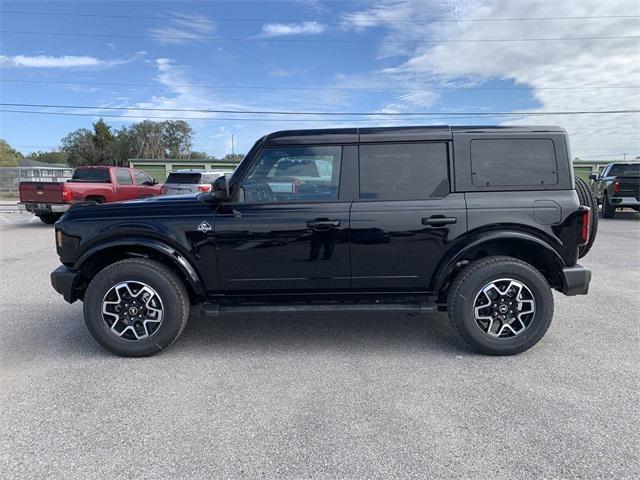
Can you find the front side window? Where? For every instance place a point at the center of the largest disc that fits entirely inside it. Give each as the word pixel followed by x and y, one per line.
pixel 403 171
pixel 142 178
pixel 123 177
pixel 293 174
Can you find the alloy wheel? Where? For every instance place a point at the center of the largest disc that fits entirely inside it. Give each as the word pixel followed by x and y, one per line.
pixel 504 308
pixel 132 310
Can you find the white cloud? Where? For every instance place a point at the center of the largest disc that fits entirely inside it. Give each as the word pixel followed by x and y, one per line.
pixel 282 29
pixel 45 61
pixel 537 65
pixel 64 61
pixel 184 28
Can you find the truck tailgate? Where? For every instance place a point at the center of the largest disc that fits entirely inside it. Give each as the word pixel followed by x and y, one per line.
pixel 629 187
pixel 41 192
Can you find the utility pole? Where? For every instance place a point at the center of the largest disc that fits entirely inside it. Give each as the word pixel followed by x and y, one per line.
pixel 624 157
pixel 233 149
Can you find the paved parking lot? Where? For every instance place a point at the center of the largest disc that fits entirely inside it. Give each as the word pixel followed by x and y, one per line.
pixel 352 396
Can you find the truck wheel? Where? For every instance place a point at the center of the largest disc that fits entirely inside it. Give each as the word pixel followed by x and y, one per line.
pixel 608 210
pixel 500 305
pixel 588 199
pixel 136 307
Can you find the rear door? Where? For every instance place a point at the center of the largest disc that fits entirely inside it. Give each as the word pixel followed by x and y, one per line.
pixel 405 215
pixel 287 226
pixel 125 188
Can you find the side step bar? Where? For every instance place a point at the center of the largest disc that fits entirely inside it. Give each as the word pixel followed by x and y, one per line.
pixel 215 309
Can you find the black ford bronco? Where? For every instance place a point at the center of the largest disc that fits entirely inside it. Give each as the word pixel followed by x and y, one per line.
pixel 479 221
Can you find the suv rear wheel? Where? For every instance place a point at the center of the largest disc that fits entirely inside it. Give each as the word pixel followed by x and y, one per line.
pixel 500 305
pixel 136 307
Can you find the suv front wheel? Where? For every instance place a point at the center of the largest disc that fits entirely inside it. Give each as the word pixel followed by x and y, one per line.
pixel 136 307
pixel 500 305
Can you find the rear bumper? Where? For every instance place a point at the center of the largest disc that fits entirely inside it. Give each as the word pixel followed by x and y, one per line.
pixel 575 280
pixel 625 201
pixel 64 281
pixel 45 207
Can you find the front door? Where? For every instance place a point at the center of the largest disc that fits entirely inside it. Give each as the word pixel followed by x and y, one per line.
pixel 286 227
pixel 405 216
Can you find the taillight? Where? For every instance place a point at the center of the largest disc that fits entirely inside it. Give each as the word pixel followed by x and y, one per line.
pixel 616 186
pixel 204 188
pixel 586 226
pixel 67 194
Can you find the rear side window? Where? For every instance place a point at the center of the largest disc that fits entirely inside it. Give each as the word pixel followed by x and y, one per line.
pixel 403 171
pixel 123 177
pixel 183 178
pixel 621 170
pixel 503 162
pixel 91 175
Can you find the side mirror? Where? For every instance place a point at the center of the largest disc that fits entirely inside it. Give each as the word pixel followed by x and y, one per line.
pixel 593 176
pixel 220 188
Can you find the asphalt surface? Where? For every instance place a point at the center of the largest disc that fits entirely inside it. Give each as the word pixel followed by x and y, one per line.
pixel 313 396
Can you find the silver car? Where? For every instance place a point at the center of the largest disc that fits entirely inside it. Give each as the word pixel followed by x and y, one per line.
pixel 191 181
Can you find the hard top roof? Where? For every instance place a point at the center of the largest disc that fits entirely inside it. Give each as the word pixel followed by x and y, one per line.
pixel 390 134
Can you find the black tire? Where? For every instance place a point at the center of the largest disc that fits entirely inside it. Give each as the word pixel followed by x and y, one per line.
pixel 467 287
pixel 608 210
pixel 588 199
pixel 48 218
pixel 169 288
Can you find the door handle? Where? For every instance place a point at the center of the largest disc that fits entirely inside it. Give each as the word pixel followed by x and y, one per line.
pixel 319 224
pixel 439 220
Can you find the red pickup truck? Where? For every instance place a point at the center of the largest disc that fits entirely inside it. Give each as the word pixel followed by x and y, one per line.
pixel 49 200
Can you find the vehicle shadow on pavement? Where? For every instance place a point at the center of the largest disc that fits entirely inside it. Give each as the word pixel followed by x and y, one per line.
pixel 315 331
pixel 623 215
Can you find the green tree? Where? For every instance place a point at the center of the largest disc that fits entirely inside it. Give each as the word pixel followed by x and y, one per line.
pixel 80 148
pixel 8 156
pixel 49 157
pixel 146 139
pixel 233 157
pixel 176 138
pixel 198 156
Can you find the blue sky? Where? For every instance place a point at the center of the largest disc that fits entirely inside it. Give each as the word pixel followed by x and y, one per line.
pixel 354 56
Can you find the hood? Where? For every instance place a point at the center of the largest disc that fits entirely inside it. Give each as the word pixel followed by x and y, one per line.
pixel 152 206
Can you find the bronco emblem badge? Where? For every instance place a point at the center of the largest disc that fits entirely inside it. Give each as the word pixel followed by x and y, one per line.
pixel 204 227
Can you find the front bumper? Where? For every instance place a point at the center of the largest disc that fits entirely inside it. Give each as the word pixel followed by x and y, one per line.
pixel 625 201
pixel 64 281
pixel 575 280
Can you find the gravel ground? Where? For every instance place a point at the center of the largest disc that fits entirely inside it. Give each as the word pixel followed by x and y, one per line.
pixel 313 396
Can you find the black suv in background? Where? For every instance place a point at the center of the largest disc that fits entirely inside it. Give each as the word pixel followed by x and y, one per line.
pixel 480 221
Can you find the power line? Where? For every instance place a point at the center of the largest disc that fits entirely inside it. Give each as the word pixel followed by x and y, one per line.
pixel 310 40
pixel 337 114
pixel 220 119
pixel 373 21
pixel 364 89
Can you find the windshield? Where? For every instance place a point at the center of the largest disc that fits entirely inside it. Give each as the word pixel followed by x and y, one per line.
pixel 622 170
pixel 91 175
pixel 183 178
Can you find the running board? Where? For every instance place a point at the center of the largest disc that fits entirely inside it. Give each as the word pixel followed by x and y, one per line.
pixel 215 309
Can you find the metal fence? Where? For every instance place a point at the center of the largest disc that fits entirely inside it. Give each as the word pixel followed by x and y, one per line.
pixel 10 177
